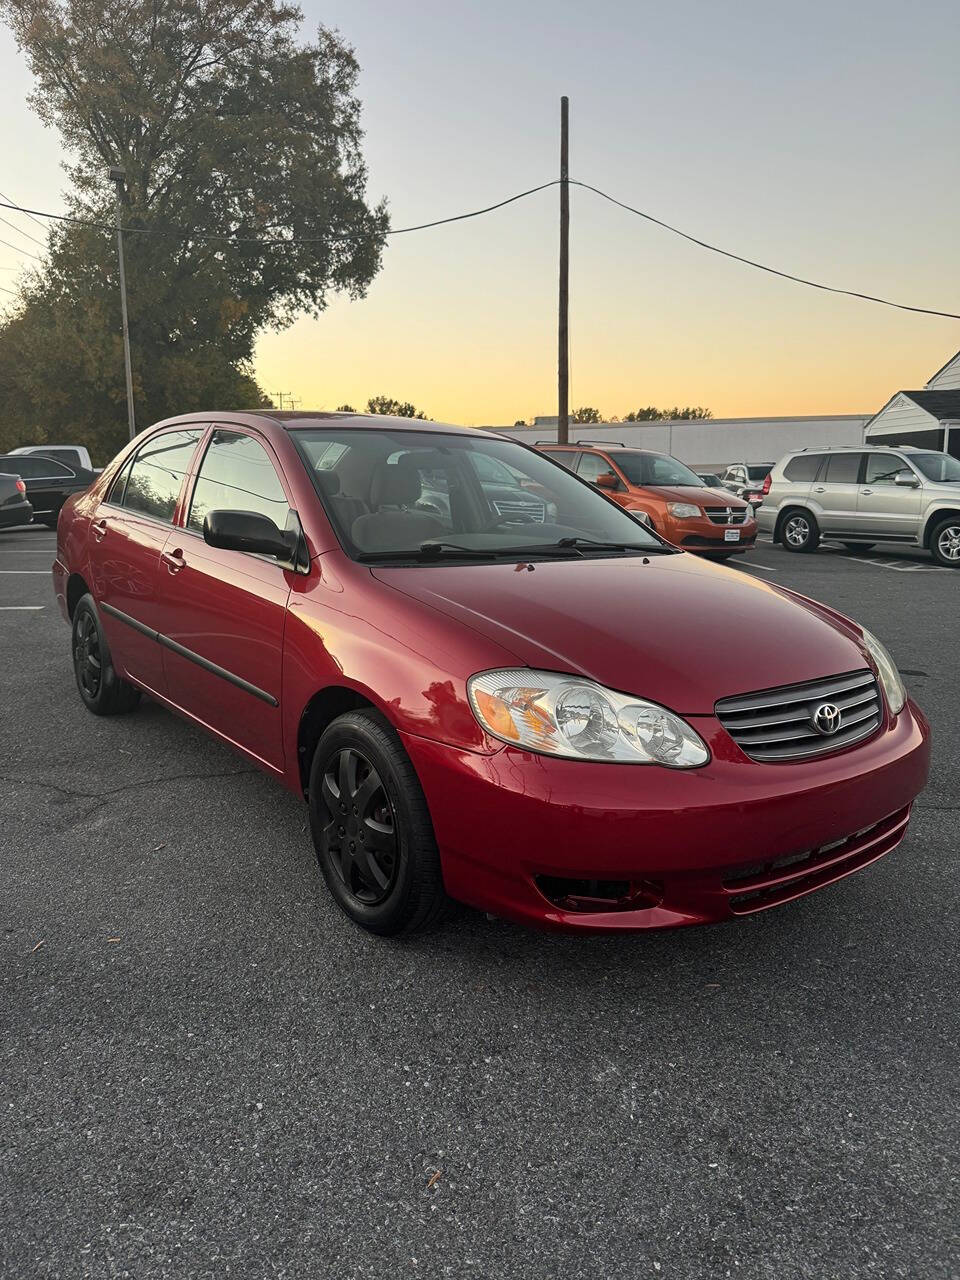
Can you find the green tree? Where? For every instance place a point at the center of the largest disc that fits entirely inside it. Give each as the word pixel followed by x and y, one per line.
pixel 244 199
pixel 394 408
pixel 649 414
pixel 653 414
pixel 345 408
pixel 586 414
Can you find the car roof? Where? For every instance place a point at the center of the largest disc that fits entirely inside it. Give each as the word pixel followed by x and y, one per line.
pixel 300 419
pixel 857 448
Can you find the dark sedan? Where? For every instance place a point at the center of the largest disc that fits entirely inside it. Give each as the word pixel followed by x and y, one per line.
pixel 14 507
pixel 48 483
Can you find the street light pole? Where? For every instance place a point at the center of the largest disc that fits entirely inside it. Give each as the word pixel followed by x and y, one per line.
pixel 118 176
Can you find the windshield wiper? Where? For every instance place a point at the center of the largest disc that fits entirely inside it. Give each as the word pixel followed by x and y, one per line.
pixel 576 543
pixel 430 550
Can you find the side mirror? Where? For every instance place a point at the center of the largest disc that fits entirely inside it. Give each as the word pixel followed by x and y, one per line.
pixel 906 479
pixel 248 531
pixel 607 480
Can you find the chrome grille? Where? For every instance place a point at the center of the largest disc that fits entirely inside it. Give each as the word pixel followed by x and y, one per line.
pixel 778 724
pixel 527 512
pixel 726 515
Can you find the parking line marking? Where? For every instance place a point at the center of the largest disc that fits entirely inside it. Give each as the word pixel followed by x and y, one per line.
pixel 766 568
pixel 899 566
pixel 40 573
pixel 21 608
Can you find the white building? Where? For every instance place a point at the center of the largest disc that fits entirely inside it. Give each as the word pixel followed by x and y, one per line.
pixel 929 418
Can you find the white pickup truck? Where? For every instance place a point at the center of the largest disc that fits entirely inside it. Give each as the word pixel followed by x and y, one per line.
pixel 72 455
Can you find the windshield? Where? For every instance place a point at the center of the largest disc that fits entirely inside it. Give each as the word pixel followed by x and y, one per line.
pixel 431 495
pixel 655 468
pixel 939 467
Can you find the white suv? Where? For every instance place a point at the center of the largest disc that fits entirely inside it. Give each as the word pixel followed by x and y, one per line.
pixel 860 496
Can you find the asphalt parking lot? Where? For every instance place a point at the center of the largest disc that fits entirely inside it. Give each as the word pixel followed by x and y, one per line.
pixel 208 1071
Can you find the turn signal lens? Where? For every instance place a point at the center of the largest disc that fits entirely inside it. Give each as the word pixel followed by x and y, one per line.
pixel 564 715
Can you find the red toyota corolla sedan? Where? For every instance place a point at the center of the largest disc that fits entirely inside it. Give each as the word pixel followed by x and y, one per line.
pixel 489 681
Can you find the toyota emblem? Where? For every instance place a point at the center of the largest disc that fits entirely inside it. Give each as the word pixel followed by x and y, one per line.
pixel 826 718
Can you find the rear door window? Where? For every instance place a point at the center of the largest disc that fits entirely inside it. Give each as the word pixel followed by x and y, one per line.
pixel 843 468
pixel 592 465
pixel 566 457
pixel 157 473
pixel 804 467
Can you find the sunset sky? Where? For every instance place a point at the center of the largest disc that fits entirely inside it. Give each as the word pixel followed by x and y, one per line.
pixel 821 139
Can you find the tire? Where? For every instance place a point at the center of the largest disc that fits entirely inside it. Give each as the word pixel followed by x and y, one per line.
pixel 945 542
pixel 859 546
pixel 398 888
pixel 102 691
pixel 799 531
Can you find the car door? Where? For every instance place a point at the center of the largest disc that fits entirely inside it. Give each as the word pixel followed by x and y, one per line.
pixel 885 508
pixel 224 611
pixel 592 465
pixel 128 533
pixel 835 494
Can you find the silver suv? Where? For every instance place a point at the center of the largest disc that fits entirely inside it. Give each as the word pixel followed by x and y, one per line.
pixel 859 496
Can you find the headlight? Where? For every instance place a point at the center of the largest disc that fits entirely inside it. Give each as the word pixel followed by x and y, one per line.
pixel 568 716
pixel 683 510
pixel 887 671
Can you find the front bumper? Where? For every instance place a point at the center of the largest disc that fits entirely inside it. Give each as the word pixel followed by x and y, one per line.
pixel 704 537
pixel 511 825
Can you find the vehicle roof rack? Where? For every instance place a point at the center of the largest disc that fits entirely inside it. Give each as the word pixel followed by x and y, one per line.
pixel 619 443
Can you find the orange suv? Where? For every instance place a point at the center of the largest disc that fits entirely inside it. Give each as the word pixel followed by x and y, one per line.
pixel 673 498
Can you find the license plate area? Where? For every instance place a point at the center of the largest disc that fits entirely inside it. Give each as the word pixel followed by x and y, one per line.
pixel 731 535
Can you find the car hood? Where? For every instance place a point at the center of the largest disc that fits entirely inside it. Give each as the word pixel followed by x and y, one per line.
pixel 671 628
pixel 705 497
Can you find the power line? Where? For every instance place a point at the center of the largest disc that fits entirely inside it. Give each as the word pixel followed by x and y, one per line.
pixel 21 232
pixel 29 215
pixel 786 275
pixel 16 248
pixel 11 292
pixel 476 213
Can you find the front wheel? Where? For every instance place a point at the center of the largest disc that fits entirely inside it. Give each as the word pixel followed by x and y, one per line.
pixel 371 827
pixel 945 543
pixel 102 690
pixel 799 531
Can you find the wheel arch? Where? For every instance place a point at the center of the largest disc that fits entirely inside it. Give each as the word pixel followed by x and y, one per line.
pixel 792 508
pixel 76 589
pixel 321 710
pixel 942 513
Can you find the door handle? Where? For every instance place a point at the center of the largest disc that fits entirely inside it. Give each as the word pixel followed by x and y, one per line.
pixel 820 489
pixel 173 560
pixel 866 491
pixel 99 529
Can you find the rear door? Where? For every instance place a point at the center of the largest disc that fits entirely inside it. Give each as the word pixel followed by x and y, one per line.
pixel 129 531
pixel 834 495
pixel 884 507
pixel 223 612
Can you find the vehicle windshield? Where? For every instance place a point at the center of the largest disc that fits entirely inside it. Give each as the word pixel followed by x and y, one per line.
pixel 939 467
pixel 425 496
pixel 655 468
pixel 761 472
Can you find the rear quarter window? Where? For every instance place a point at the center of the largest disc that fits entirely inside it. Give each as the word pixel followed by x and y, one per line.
pixel 804 467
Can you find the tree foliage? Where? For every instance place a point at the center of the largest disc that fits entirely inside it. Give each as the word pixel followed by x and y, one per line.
pixel 244 202
pixel 395 408
pixel 586 414
pixel 690 413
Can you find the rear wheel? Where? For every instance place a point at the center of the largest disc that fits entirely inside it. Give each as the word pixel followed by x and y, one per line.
pixel 102 690
pixel 371 828
pixel 945 543
pixel 799 531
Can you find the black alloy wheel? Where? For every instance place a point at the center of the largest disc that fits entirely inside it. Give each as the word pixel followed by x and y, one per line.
pixel 371 827
pixel 102 690
pixel 87 661
pixel 359 838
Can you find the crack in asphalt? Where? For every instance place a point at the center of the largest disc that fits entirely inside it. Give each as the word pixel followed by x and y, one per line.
pixel 72 793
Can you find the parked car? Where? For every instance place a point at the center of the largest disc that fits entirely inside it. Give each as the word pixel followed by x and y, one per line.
pixel 863 496
pixel 710 479
pixel 747 481
pixel 673 498
pixel 569 723
pixel 48 483
pixel 14 506
pixel 76 456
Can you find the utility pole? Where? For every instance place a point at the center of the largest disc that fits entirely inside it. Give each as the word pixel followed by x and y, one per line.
pixel 118 176
pixel 278 396
pixel 563 354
